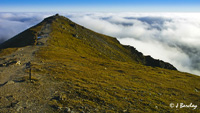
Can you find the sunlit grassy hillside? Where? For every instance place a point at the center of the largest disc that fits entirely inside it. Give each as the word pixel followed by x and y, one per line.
pixel 98 74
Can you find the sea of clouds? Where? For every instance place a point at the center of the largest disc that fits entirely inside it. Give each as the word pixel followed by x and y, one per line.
pixel 172 37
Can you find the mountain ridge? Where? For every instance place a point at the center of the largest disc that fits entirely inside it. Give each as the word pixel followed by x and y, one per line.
pixel 74 69
pixel 21 40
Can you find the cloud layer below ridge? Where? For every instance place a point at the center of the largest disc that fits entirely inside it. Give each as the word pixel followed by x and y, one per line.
pixel 172 37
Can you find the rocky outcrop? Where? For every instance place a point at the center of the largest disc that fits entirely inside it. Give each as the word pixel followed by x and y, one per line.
pixel 148 60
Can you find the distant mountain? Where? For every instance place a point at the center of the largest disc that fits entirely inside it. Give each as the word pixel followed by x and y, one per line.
pixel 60 66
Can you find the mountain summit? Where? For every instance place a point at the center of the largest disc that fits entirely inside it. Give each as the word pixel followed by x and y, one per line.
pixel 60 66
pixel 71 34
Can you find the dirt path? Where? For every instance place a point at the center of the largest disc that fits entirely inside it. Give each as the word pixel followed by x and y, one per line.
pixel 17 93
pixel 21 57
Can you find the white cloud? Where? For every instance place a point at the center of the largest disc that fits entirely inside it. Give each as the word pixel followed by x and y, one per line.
pixel 172 37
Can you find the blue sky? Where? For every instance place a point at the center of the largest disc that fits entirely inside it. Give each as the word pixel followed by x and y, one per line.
pixel 99 5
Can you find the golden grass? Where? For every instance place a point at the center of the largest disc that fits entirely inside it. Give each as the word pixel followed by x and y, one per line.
pixel 99 74
pixel 7 51
pixel 100 79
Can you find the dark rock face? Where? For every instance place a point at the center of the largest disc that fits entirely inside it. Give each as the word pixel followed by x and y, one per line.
pixel 148 60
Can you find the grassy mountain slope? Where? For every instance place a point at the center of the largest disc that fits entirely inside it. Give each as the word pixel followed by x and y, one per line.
pixel 92 72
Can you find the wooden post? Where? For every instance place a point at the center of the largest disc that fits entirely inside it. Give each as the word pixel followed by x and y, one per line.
pixel 28 66
pixel 30 73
